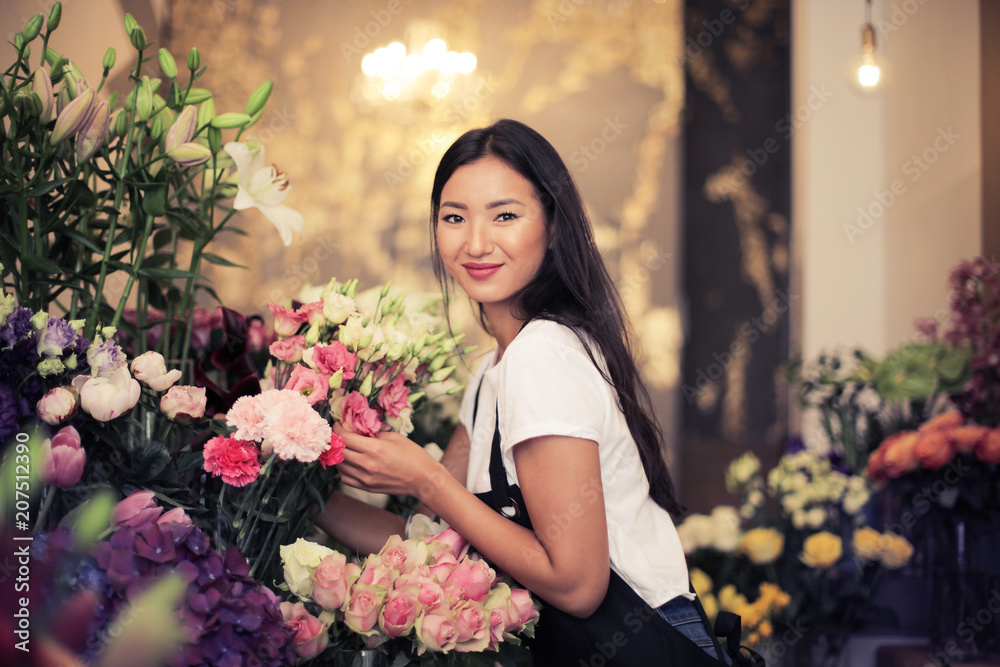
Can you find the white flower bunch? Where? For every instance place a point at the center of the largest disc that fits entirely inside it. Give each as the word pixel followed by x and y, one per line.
pixel 719 531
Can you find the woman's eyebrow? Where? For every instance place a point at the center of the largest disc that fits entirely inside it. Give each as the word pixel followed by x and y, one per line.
pixel 452 204
pixel 503 202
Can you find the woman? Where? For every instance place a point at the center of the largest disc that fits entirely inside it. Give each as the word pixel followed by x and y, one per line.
pixel 562 484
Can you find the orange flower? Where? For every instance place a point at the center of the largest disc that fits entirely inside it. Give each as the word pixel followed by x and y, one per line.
pixel 899 454
pixel 933 449
pixel 988 449
pixel 964 439
pixel 943 422
pixel 876 465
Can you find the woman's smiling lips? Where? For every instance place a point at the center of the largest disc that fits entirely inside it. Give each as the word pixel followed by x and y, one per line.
pixel 481 271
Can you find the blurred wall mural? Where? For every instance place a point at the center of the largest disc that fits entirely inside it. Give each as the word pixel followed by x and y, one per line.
pixel 368 95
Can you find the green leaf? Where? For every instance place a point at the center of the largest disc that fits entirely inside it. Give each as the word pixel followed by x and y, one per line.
pixel 48 186
pixel 42 264
pixel 157 259
pixel 221 261
pixel 166 274
pixel 82 239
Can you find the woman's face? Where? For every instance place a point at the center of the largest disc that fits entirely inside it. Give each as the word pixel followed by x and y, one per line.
pixel 491 230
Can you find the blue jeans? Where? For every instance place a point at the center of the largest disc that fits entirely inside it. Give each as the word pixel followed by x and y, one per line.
pixel 682 614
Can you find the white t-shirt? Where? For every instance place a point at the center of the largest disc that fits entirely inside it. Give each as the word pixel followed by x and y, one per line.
pixel 547 385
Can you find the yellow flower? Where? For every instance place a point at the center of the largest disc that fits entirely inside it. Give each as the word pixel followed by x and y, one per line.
pixel 762 545
pixel 866 544
pixel 702 582
pixel 822 550
pixel 765 628
pixel 730 600
pixel 896 551
pixel 711 606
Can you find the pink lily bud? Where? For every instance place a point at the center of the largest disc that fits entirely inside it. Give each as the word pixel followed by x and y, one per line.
pixel 72 118
pixel 184 405
pixel 63 98
pixel 41 85
pixel 182 131
pixel 58 405
pixel 92 136
pixel 190 154
pixel 63 459
pixel 138 509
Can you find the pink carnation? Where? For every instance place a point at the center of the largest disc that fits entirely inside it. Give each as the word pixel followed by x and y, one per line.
pixel 393 397
pixel 335 453
pixel 235 461
pixel 334 357
pixel 358 416
pixel 313 386
pixel 292 428
pixel 289 350
pixel 247 416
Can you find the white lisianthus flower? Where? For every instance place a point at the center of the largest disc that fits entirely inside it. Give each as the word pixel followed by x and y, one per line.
pixel 338 307
pixel 403 424
pixel 263 187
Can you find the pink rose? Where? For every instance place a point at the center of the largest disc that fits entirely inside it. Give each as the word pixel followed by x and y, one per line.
pixel 334 357
pixel 363 606
pixel 435 633
pixel 58 405
pixel 310 634
pixel 286 322
pixel 429 593
pixel 400 611
pixel 176 515
pixel 403 555
pixel 105 398
pixel 472 623
pixel 443 566
pixel 313 386
pixel 375 573
pixel 63 459
pixel 358 416
pixel 503 613
pixel 138 509
pixel 150 369
pixel 335 453
pixel 526 611
pixel 457 545
pixel 184 405
pixel 393 396
pixel 289 350
pixel 330 581
pixel 475 577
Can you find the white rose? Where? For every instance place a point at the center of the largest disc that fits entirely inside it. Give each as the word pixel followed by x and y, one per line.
pixel 301 560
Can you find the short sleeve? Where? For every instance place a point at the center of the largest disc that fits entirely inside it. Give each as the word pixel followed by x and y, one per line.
pixel 549 386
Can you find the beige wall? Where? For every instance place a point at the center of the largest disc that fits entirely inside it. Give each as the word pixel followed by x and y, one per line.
pixel 864 280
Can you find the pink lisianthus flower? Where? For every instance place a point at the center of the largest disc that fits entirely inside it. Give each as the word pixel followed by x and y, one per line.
pixel 362 610
pixel 313 386
pixel 235 461
pixel 310 634
pixel 358 416
pixel 330 581
pixel 472 624
pixel 312 312
pixel 334 453
pixel 332 357
pixel 435 632
pixel 247 417
pixel 259 335
pixel 392 397
pixel 184 405
pixel 292 428
pixel 139 508
pixel 289 349
pixel 286 321
pixel 398 614
pixel 63 459
pixel 475 577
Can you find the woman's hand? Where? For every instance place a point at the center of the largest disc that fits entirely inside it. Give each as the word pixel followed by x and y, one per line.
pixel 389 463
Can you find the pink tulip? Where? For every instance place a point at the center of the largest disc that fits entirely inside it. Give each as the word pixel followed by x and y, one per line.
pixel 184 405
pixel 176 515
pixel 58 405
pixel 63 459
pixel 107 398
pixel 150 369
pixel 310 634
pixel 138 509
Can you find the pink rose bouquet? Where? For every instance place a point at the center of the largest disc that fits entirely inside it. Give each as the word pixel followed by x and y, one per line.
pixel 412 597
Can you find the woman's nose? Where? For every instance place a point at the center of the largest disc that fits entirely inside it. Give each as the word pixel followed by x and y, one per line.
pixel 478 242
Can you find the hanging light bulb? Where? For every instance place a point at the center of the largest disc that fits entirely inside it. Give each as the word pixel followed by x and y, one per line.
pixel 867 73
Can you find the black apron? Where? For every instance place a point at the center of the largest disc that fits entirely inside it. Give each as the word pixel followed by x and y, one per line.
pixel 624 631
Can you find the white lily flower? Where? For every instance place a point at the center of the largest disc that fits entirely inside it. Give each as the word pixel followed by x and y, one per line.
pixel 263 187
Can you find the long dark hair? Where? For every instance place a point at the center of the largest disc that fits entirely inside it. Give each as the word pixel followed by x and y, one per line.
pixel 572 287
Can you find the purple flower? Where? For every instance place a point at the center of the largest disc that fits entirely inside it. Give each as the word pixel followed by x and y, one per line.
pixel 8 414
pixel 154 544
pixel 105 358
pixel 16 328
pixel 56 337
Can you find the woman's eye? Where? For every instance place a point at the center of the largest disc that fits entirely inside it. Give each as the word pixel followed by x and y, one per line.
pixel 452 218
pixel 506 215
